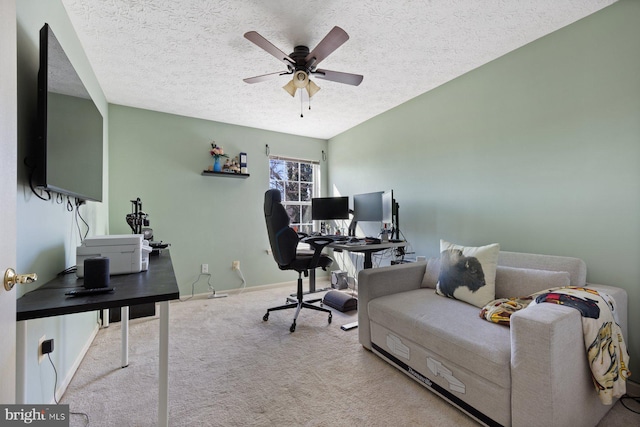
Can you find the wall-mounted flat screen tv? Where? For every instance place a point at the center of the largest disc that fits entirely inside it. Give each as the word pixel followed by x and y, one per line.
pixel 67 157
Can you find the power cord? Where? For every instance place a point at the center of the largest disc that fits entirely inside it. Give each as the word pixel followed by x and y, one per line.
pixel 31 171
pixel 633 399
pixel 213 291
pixel 244 282
pixel 78 203
pixel 55 387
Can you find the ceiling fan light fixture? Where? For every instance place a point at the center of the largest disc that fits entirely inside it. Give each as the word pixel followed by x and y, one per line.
pixel 290 88
pixel 300 79
pixel 312 88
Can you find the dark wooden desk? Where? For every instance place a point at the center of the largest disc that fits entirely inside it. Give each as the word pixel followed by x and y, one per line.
pixel 157 284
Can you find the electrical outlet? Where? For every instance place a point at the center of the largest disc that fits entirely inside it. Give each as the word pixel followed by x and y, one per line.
pixel 235 265
pixel 204 268
pixel 40 353
pixel 47 346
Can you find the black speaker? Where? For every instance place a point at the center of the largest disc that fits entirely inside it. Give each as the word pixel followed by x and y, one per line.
pixel 96 272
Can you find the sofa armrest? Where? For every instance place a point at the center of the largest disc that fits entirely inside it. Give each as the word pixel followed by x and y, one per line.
pixel 378 282
pixel 550 376
pixel 619 295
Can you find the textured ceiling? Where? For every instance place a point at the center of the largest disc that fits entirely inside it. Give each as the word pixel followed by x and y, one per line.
pixel 189 57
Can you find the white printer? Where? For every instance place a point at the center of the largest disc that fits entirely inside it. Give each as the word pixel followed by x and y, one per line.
pixel 127 253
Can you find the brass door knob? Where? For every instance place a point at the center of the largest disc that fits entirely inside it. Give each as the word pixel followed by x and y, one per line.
pixel 11 278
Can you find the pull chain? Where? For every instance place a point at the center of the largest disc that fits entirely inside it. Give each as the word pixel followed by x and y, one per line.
pixel 301 103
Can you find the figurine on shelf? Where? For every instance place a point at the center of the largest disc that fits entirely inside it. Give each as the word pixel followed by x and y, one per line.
pixel 227 166
pixel 235 165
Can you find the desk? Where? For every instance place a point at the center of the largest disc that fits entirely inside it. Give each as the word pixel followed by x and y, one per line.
pixel 157 284
pixel 367 249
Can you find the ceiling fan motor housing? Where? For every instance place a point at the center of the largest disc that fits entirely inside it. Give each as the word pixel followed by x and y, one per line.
pixel 298 55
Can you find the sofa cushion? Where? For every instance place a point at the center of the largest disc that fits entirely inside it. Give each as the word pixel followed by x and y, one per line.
pixel 576 267
pixel 512 282
pixel 430 279
pixel 448 328
pixel 468 273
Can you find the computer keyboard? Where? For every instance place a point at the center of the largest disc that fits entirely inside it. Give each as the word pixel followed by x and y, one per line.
pixel 337 237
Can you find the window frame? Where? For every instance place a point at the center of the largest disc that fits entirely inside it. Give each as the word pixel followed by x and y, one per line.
pixel 294 184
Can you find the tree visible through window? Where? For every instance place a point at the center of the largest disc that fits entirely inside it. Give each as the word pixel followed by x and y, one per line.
pixel 297 182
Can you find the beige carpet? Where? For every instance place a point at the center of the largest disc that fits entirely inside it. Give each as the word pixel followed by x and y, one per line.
pixel 229 368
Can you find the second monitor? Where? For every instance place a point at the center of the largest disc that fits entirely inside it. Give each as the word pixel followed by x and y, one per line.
pixel 328 208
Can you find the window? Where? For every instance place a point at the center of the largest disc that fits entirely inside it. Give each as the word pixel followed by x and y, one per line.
pixel 298 182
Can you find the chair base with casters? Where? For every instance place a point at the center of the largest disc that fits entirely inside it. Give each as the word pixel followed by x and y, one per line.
pixel 299 304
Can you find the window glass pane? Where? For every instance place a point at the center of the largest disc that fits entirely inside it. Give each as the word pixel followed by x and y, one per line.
pixel 306 192
pixel 278 185
pixel 277 169
pixel 292 192
pixel 297 181
pixel 306 172
pixel 294 213
pixel 292 171
pixel 306 213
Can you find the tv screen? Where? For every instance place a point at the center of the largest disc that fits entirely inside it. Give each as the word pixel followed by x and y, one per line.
pixel 367 206
pixel 327 208
pixel 68 151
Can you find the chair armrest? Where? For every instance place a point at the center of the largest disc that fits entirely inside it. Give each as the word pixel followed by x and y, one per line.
pixel 378 282
pixel 318 243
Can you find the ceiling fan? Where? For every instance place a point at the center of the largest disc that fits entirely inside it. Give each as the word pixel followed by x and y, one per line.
pixel 302 63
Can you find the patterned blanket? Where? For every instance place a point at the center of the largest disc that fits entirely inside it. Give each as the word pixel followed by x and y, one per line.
pixel 606 350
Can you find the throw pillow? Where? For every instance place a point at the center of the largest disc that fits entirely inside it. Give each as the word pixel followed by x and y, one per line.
pixel 468 273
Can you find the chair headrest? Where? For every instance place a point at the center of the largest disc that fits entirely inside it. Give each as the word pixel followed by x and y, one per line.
pixel 271 197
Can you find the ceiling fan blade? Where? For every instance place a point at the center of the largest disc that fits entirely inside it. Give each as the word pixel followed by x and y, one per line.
pixel 337 76
pixel 336 38
pixel 262 78
pixel 265 44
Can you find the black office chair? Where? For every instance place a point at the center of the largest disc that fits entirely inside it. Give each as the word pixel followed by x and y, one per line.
pixel 284 242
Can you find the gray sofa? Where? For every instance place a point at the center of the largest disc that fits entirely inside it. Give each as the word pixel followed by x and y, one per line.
pixel 533 373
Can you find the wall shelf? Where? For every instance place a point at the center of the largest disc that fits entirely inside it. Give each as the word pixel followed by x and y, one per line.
pixel 227 174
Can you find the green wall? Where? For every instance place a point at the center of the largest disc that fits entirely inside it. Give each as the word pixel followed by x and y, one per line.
pixel 538 150
pixel 46 232
pixel 207 219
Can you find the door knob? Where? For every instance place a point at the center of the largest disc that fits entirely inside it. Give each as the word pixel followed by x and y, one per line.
pixel 11 278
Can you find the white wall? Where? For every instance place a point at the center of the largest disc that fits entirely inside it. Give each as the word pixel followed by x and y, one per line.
pixel 46 231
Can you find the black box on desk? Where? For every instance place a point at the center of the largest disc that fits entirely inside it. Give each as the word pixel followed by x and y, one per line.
pixel 135 311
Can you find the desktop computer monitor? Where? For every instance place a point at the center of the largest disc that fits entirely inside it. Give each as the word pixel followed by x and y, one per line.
pixel 388 207
pixel 367 206
pixel 327 208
